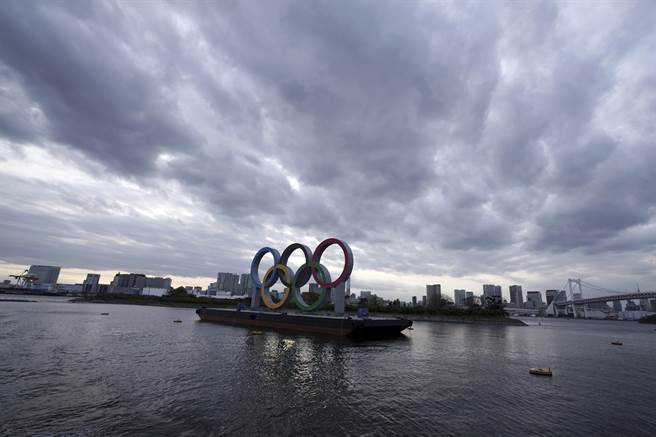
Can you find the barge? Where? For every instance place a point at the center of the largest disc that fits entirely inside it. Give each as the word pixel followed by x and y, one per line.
pixel 345 326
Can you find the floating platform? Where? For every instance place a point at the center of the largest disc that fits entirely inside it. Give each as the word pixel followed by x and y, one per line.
pixel 307 323
pixel 542 371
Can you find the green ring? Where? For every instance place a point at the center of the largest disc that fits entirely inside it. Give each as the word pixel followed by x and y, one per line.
pixel 296 292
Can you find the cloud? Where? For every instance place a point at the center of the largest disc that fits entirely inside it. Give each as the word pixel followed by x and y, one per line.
pixel 452 142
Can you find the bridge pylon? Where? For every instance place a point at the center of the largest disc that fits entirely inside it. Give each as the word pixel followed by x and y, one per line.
pixel 577 283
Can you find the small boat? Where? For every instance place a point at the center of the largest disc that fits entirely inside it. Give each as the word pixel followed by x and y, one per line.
pixel 542 371
pixel 104 314
pixel 256 333
pixel 177 321
pixel 616 343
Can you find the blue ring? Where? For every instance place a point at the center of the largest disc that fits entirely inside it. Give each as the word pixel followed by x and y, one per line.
pixel 255 265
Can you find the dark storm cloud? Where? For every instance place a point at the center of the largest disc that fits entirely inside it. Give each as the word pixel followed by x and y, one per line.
pixel 72 62
pixel 471 138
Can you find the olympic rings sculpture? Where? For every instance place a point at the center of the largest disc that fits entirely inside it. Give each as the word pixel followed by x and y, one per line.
pixel 293 281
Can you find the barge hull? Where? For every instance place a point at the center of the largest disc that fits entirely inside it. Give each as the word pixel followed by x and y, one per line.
pixel 306 323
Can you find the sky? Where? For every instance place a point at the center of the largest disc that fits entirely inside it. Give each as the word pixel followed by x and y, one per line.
pixel 447 142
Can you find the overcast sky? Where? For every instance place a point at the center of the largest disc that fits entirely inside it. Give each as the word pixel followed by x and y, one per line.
pixel 454 143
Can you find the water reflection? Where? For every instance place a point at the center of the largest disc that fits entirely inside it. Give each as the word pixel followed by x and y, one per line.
pixel 69 370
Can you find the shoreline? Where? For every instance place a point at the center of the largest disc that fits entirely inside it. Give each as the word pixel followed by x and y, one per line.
pixel 414 317
pixel 508 321
pixel 146 303
pixel 17 300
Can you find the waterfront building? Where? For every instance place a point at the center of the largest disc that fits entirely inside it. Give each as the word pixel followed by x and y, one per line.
pixel 156 286
pixel 90 284
pixel 366 295
pixel 434 295
pixel 617 306
pixel 644 305
pixel 75 289
pixel 631 306
pixel 551 295
pixel 227 282
pixel 459 297
pixel 533 299
pixel 516 295
pixel 46 276
pixel 246 287
pixel 128 283
pixel 491 293
pixel 137 283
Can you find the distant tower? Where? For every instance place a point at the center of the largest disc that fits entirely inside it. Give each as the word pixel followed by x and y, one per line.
pixel 434 295
pixel 516 295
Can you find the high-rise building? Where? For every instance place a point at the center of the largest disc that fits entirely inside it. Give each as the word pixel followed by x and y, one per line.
pixel 644 305
pixel 47 276
pixel 491 293
pixel 90 284
pixel 246 286
pixel 366 295
pixel 631 306
pixel 434 295
pixel 459 297
pixel 617 306
pixel 414 301
pixel 137 283
pixel 533 299
pixel 228 282
pixel 551 295
pixel 516 295
pixel 423 301
pixel 128 283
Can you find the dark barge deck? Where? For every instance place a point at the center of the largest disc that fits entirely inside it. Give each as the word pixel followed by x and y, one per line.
pixel 307 323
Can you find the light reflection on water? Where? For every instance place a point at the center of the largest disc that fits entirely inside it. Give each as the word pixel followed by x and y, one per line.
pixel 64 368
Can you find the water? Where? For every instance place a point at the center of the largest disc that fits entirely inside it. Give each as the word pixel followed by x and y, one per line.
pixel 64 368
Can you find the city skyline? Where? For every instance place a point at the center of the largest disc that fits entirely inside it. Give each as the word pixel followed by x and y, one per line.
pixel 499 144
pixel 240 284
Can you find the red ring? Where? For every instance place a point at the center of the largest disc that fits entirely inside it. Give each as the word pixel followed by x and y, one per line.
pixel 348 262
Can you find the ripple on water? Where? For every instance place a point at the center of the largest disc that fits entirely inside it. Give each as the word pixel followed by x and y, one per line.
pixel 67 371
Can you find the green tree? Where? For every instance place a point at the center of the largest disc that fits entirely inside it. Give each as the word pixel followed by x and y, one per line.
pixel 180 291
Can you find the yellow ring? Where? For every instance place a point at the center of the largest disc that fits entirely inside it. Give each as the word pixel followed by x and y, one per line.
pixel 266 297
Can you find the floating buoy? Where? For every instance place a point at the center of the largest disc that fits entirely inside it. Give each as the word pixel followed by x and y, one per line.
pixel 616 343
pixel 104 314
pixel 542 371
pixel 177 321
